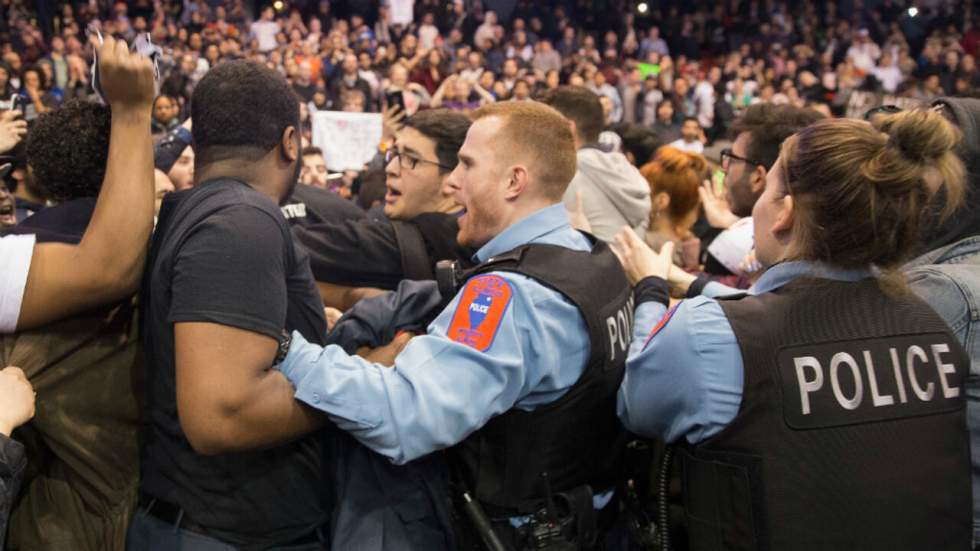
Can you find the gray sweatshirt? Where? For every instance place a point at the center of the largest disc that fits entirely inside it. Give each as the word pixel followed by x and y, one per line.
pixel 614 193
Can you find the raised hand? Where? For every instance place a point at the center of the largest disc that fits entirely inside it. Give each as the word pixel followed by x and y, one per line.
pixel 12 130
pixel 716 208
pixel 126 78
pixel 16 399
pixel 638 260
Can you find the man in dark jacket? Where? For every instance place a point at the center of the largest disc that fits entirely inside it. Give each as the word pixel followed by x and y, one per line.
pixel 420 228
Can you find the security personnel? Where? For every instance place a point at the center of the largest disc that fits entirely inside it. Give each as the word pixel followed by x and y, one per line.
pixel 519 373
pixel 824 409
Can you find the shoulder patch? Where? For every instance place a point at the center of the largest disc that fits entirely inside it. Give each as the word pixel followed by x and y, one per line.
pixel 479 312
pixel 663 323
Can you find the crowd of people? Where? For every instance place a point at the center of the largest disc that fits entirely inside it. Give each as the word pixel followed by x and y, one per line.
pixel 599 247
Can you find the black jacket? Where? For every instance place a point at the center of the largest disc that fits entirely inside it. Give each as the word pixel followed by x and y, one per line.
pixel 12 465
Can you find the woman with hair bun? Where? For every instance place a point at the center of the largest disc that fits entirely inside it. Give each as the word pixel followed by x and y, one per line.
pixel 822 409
pixel 674 177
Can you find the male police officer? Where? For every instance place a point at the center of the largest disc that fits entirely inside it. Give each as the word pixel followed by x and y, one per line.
pixel 506 373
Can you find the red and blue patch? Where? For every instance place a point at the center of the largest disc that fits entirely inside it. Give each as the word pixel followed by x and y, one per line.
pixel 480 311
pixel 661 325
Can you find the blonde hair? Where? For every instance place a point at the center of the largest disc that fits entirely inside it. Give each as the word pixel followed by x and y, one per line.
pixel 534 129
pixel 678 174
pixel 859 190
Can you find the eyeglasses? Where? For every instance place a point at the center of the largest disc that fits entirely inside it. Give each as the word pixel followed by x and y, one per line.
pixel 727 157
pixel 408 161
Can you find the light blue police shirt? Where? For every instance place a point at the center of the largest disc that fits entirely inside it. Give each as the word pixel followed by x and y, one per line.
pixel 439 390
pixel 684 377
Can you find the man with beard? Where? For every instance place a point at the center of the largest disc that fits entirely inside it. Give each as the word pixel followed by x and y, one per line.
pixel 229 459
pixel 519 372
pixel 758 135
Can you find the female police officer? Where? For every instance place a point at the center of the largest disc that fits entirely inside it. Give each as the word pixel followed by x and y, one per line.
pixel 823 409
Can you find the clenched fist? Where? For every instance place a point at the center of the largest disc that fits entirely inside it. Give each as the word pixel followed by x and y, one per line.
pixel 126 78
pixel 16 400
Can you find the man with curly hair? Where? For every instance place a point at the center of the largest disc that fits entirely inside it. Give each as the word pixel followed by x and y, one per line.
pixel 82 259
pixel 67 150
pixel 82 368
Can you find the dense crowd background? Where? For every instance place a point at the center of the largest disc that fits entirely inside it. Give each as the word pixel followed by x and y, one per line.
pixel 653 63
pixel 701 98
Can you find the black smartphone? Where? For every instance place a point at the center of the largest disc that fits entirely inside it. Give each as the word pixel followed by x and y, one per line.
pixel 27 110
pixel 395 98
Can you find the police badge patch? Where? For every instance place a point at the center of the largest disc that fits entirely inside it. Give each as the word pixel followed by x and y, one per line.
pixel 480 311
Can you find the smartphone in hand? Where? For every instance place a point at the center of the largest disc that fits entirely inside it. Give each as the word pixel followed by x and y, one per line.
pixel 396 98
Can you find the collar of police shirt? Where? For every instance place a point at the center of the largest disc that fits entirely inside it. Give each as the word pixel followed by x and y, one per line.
pixel 782 273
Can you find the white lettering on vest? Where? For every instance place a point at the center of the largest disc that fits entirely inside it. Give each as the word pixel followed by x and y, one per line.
pixel 917 351
pixel 297 210
pixel 845 358
pixel 620 328
pixel 944 370
pixel 876 398
pixel 613 335
pixel 899 381
pixel 806 387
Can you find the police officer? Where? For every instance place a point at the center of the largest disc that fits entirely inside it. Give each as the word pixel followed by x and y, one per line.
pixel 519 373
pixel 823 409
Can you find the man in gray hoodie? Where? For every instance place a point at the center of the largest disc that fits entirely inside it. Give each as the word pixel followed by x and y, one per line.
pixel 614 194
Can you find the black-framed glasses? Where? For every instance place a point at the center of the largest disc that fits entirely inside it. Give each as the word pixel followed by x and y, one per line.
pixel 727 157
pixel 409 161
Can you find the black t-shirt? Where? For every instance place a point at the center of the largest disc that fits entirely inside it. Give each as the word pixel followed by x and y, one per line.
pixel 311 205
pixel 222 253
pixel 365 252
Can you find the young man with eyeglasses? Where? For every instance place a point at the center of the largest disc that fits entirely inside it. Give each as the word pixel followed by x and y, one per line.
pixel 352 258
pixel 758 135
pixel 726 239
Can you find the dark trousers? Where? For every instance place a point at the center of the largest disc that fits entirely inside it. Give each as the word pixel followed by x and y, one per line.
pixel 148 533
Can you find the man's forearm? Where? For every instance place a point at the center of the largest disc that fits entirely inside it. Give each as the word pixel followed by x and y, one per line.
pixel 106 266
pixel 114 246
pixel 270 418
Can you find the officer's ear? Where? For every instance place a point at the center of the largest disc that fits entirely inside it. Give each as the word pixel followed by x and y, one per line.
pixel 661 201
pixel 785 217
pixel 517 182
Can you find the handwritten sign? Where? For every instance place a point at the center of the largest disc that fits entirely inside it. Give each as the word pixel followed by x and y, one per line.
pixel 402 12
pixel 348 140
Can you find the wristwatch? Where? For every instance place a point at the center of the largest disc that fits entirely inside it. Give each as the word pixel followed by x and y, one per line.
pixel 284 341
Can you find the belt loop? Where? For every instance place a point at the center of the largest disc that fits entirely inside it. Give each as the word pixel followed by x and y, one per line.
pixel 180 517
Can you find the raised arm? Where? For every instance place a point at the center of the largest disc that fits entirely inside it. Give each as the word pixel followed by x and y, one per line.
pixel 107 264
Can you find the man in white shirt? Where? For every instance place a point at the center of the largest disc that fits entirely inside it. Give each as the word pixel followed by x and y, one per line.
pixel 863 52
pixel 265 30
pixel 691 137
pixel 43 282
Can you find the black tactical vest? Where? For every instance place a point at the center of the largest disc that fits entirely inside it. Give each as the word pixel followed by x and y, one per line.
pixel 576 439
pixel 851 433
